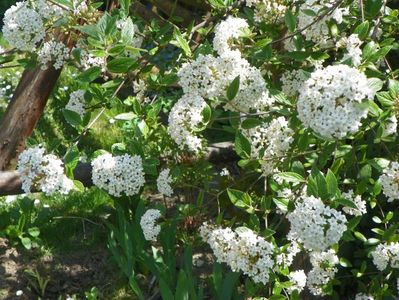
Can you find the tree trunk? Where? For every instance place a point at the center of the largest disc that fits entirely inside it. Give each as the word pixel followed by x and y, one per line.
pixel 24 111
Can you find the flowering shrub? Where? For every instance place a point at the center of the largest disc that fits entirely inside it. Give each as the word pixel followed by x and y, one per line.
pixel 304 92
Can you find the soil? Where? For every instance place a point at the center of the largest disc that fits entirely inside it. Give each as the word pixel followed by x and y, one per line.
pixel 68 274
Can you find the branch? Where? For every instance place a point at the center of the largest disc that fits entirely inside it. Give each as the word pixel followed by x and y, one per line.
pixel 11 183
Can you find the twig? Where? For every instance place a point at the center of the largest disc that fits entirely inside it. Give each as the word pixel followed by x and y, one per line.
pixel 78 218
pixel 59 5
pixel 361 9
pixel 300 30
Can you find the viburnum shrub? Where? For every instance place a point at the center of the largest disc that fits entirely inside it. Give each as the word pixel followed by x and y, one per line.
pixel 305 91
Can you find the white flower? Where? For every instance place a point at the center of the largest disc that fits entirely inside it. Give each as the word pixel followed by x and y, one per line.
pixel 241 249
pixel 224 172
pixel 353 51
pixel 323 270
pixel 23 27
pixel 148 223
pixel 227 30
pixel 298 279
pixel 266 10
pixel 292 81
pixel 87 60
pixel 391 126
pixel 357 200
pixel 286 257
pixel 76 102
pixel 184 117
pixel 48 10
pixel 269 142
pixel 119 174
pixel 331 101
pixel 315 225
pixel 55 52
pixel 163 183
pixel 386 254
pixel 43 171
pixel 19 293
pixel 390 181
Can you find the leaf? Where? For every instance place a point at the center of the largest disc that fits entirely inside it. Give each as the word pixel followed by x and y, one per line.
pixel 72 117
pixel 332 184
pixel 242 145
pixel 346 202
pixel 360 236
pixel 26 242
pixel 121 64
pixel 182 292
pixel 125 116
pixel 372 8
pixel 362 30
pixel 181 42
pixel 89 75
pixel 34 231
pixel 375 84
pixel 291 177
pixel 233 88
pixel 241 200
pixel 290 20
pixel 228 286
pixel 250 123
pixel 127 33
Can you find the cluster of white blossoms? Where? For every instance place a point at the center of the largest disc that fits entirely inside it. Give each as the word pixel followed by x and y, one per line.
pixel 386 254
pixel 55 52
pixel 315 225
pixel 323 270
pixel 318 32
pixel 287 255
pixel 390 181
pixel 87 60
pixel 148 223
pixel 225 32
pixel 76 102
pixel 357 200
pixel 298 279
pixel 184 117
pixel 163 182
pixel 241 249
pixel 48 10
pixel 23 27
pixel 363 297
pixel 269 142
pixel 331 101
pixel 391 126
pixel 266 9
pixel 43 171
pixel 292 81
pixel 353 51
pixel 119 174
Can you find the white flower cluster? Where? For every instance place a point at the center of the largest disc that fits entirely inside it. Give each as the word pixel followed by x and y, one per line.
pixel 163 183
pixel 119 174
pixel 315 225
pixel 55 52
pixel 391 126
pixel 286 257
pixel 76 102
pixel 79 6
pixel 269 142
pixel 353 51
pixel 266 10
pixel 323 270
pixel 183 118
pixel 318 32
pixel 42 171
pixel 386 254
pixel 357 200
pixel 331 101
pixel 298 279
pixel 23 27
pixel 225 32
pixel 241 249
pixel 390 181
pixel 148 223
pixel 363 297
pixel 292 81
pixel 87 60
pixel 48 10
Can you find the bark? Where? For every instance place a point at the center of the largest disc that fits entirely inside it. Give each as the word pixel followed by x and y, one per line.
pixel 24 111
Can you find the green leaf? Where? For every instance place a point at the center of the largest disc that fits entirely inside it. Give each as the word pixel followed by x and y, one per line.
pixel 291 177
pixel 250 123
pixel 121 64
pixel 362 30
pixel 182 292
pixel 372 8
pixel 375 84
pixel 332 184
pixel 360 236
pixel 290 20
pixel 241 200
pixel 233 88
pixel 346 202
pixel 181 42
pixel 125 116
pixel 89 75
pixel 72 117
pixel 26 242
pixel 242 145
pixel 34 231
pixel 127 33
